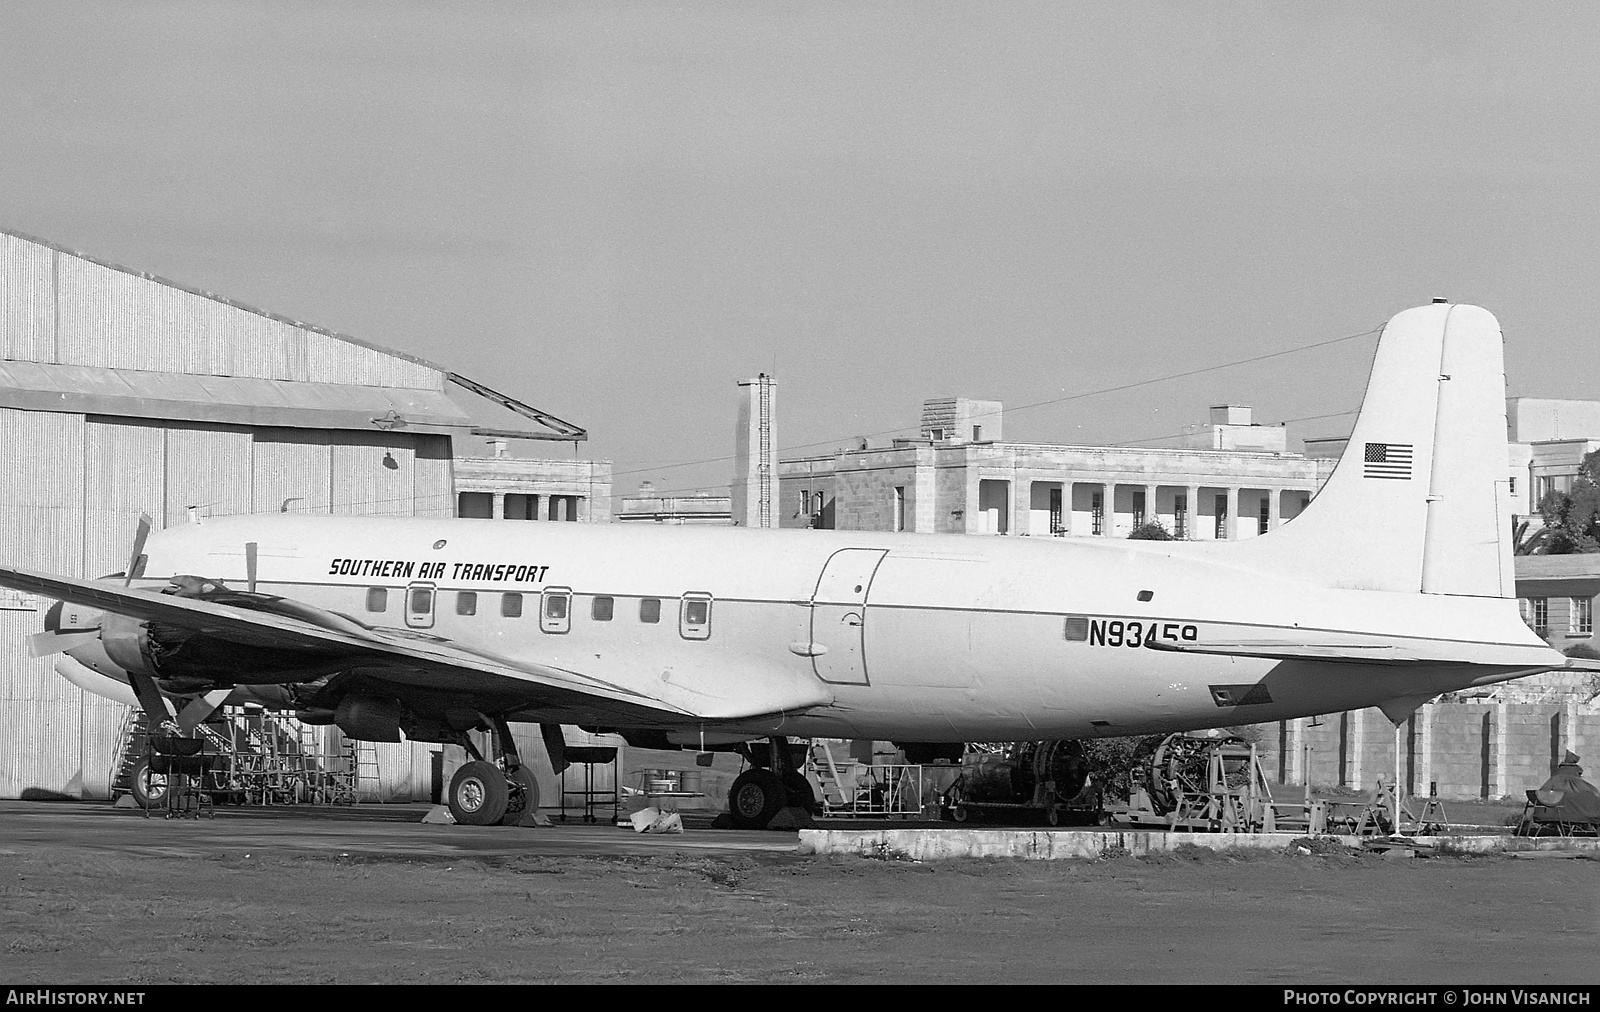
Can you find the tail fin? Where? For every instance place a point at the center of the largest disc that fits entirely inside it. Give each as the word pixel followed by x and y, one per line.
pixel 1420 501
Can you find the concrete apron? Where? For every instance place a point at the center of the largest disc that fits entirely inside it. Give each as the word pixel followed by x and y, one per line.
pixel 1054 845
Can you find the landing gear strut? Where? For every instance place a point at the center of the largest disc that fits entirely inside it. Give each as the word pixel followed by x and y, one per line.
pixel 483 794
pixel 762 791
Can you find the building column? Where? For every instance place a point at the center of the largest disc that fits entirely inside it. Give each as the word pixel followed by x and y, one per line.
pixel 1150 511
pixel 1357 744
pixel 1298 774
pixel 1192 512
pixel 1572 744
pixel 924 495
pixel 1021 505
pixel 498 510
pixel 1230 530
pixel 1274 508
pixel 1424 749
pixel 1502 750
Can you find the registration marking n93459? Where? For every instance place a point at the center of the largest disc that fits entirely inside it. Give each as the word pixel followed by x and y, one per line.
pixel 1119 632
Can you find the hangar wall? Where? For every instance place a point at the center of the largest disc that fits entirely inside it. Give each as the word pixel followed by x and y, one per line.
pixel 101 420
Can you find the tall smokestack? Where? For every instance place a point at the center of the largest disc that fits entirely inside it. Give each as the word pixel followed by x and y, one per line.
pixel 755 465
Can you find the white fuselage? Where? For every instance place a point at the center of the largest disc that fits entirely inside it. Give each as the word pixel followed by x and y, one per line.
pixel 914 637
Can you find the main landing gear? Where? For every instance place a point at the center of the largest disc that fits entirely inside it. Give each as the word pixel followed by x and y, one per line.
pixel 484 794
pixel 761 792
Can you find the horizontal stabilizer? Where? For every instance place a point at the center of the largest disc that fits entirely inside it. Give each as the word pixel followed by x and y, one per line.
pixel 1373 651
pixel 1363 653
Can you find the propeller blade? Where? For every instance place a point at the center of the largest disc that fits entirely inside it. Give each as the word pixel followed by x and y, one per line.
pixel 46 643
pixel 138 548
pixel 250 565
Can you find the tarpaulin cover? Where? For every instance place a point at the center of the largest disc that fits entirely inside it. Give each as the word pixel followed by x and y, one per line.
pixel 1580 802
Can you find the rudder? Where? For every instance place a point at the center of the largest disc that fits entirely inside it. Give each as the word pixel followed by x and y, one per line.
pixel 1419 500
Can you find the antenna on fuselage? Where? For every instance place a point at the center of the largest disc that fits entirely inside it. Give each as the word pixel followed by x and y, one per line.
pixel 250 566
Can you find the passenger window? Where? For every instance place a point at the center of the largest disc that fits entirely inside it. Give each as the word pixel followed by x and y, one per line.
pixel 511 605
pixel 650 610
pixel 694 618
pixel 377 599
pixel 466 602
pixel 421 601
pixel 602 609
pixel 556 614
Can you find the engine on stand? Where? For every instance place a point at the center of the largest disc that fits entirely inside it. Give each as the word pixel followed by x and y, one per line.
pixel 1206 781
pixel 1038 777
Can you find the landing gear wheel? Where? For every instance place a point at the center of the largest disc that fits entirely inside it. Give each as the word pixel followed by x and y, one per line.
pixel 755 797
pixel 149 789
pixel 478 794
pixel 522 796
pixel 800 794
pixel 960 813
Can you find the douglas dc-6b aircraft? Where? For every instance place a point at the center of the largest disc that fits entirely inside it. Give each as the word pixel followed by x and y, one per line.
pixel 1393 586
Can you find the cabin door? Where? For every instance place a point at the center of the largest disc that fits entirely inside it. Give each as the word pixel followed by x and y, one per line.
pixel 419 605
pixel 839 615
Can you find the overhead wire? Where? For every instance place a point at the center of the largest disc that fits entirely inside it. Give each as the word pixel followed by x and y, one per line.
pixel 1044 403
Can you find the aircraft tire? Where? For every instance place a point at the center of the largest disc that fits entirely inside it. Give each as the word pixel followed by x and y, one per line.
pixel 149 789
pixel 519 801
pixel 478 794
pixel 799 792
pixel 755 797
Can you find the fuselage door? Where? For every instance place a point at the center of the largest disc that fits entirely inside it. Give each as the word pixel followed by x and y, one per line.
pixel 839 615
pixel 419 605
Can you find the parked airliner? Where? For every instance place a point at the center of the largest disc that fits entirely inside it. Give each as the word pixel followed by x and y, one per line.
pixel 1393 586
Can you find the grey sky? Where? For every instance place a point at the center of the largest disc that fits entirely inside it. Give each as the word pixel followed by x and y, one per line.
pixel 613 211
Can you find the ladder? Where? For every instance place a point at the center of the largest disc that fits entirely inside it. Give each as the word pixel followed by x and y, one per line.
pixel 365 768
pixel 764 460
pixel 128 752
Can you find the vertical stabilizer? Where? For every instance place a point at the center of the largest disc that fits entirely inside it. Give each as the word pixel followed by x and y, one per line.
pixel 1419 500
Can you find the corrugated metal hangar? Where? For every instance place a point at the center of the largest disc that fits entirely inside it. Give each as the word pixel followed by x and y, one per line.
pixel 123 394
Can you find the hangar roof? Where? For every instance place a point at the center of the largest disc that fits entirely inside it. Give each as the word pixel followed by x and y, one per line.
pixel 83 335
pixel 237 400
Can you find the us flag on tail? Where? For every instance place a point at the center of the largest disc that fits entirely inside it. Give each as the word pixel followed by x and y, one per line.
pixel 1387 460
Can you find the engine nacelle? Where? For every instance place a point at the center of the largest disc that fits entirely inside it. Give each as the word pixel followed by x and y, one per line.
pixel 369 718
pixel 185 660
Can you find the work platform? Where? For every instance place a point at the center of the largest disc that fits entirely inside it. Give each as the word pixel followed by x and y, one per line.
pixel 1055 845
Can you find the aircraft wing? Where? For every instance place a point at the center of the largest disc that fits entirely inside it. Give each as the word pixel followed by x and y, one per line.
pixel 443 665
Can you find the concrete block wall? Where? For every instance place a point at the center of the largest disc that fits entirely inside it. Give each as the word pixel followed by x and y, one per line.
pixel 1456 750
pixel 866 499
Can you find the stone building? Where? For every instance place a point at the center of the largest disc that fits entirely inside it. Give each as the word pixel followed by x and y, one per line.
pixel 504 487
pixel 649 507
pixel 1231 479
